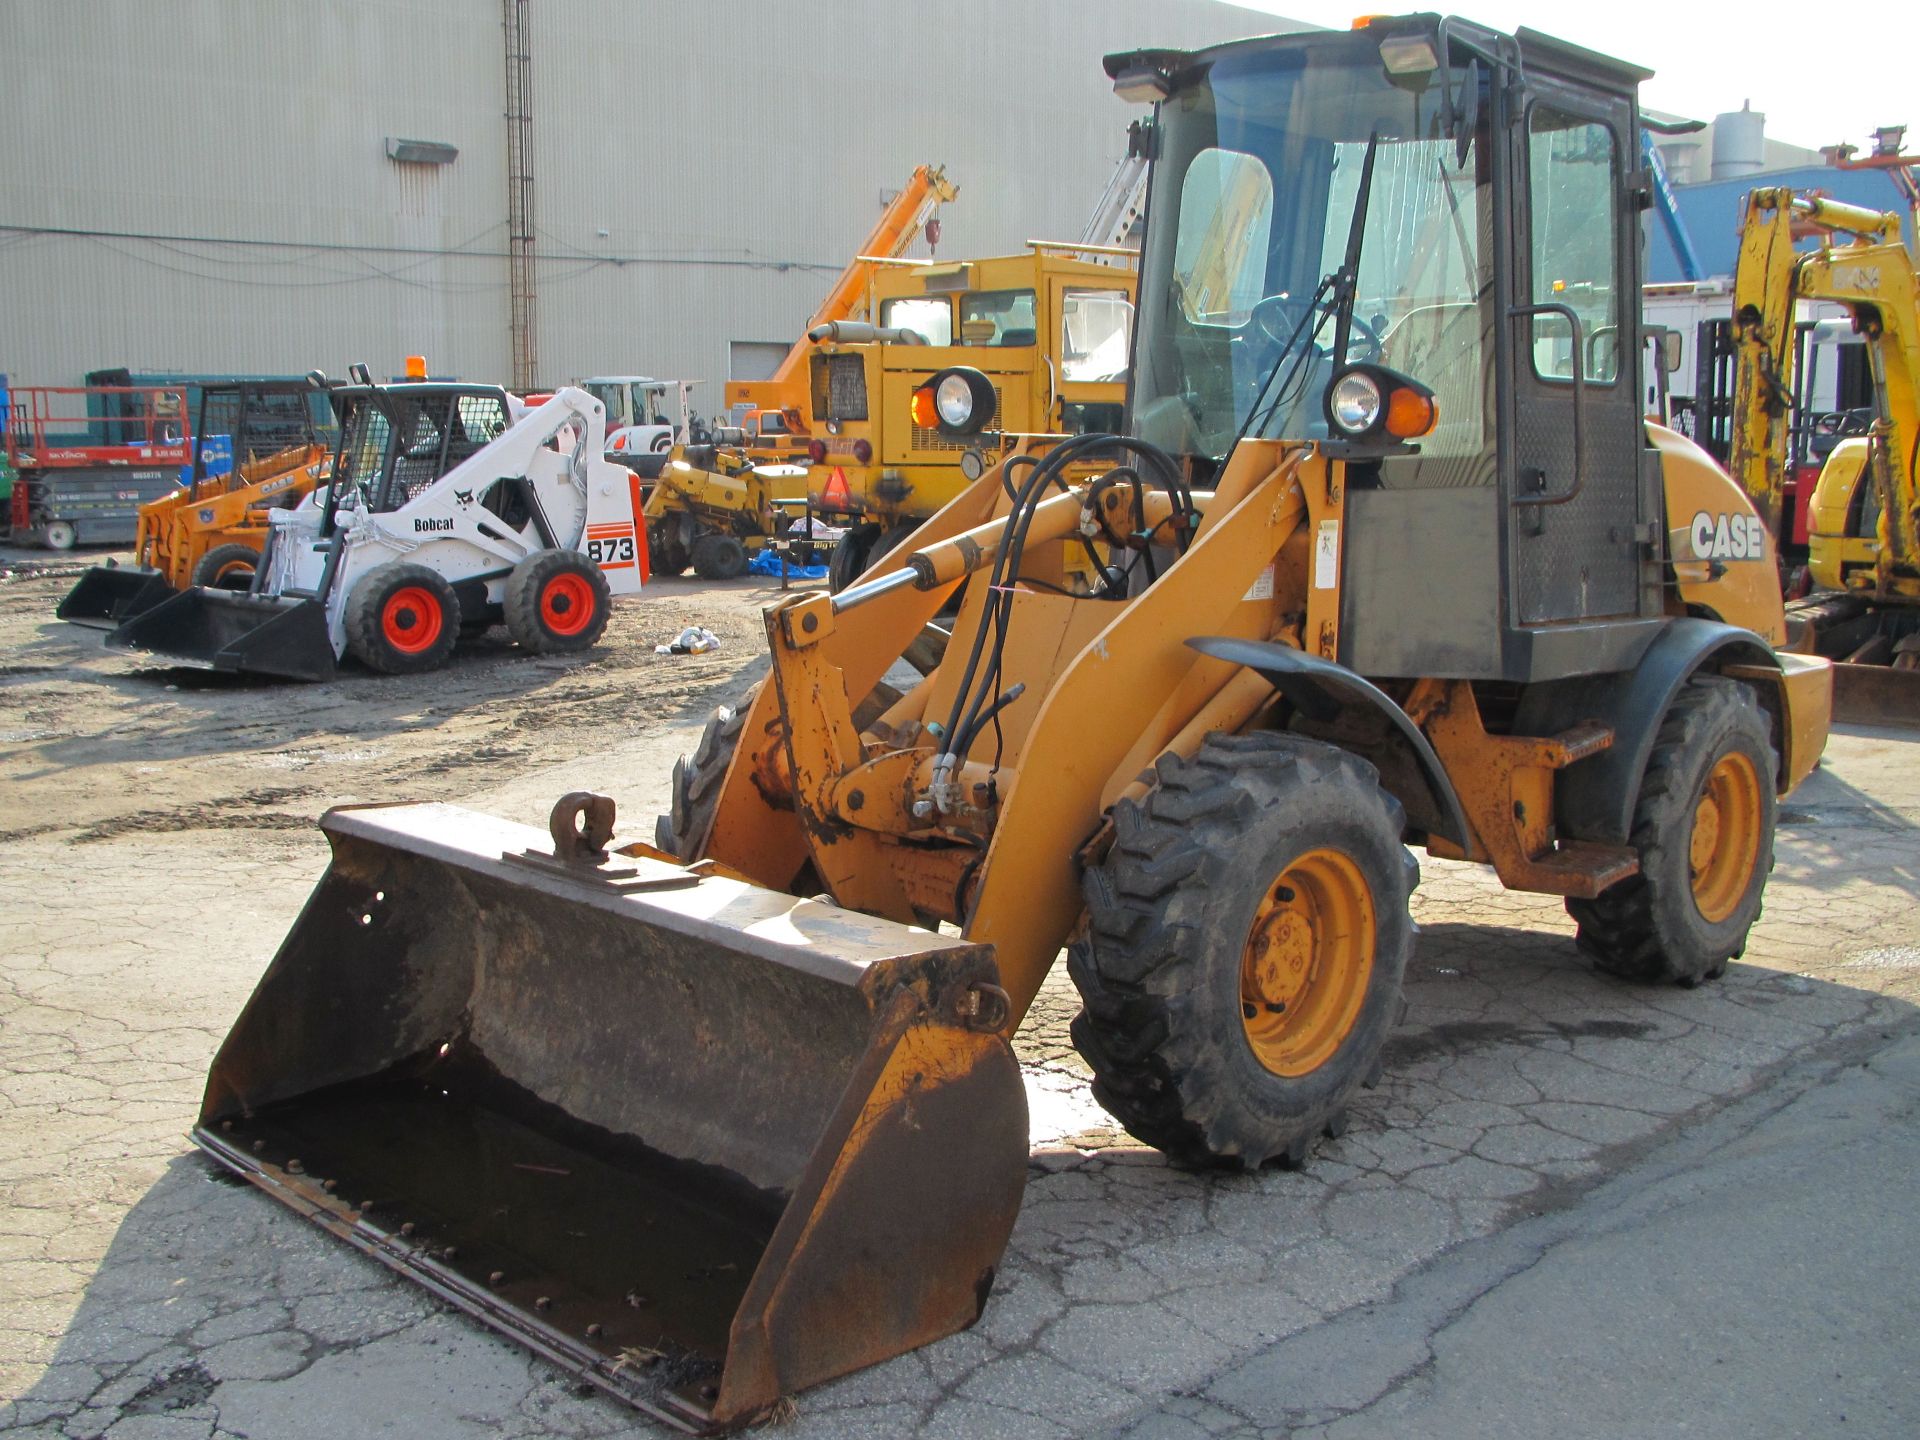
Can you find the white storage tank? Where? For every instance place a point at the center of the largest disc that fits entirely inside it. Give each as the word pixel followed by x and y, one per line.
pixel 1739 142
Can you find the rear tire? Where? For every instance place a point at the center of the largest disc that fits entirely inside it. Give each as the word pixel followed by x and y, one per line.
pixel 666 553
pixel 557 602
pixel 849 559
pixel 1703 828
pixel 402 619
pixel 60 535
pixel 1247 935
pixel 227 567
pixel 697 779
pixel 719 557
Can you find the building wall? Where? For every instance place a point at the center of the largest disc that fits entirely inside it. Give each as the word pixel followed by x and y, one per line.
pixel 203 186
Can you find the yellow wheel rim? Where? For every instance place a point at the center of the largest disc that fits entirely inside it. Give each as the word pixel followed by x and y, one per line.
pixel 1725 843
pixel 1308 956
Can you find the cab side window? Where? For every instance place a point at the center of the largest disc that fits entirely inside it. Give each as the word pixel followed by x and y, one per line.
pixel 1571 172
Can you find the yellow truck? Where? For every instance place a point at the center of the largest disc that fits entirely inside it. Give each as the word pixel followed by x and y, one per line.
pixel 1050 327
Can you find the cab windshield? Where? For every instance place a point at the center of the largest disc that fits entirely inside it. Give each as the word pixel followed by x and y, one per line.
pixel 1254 208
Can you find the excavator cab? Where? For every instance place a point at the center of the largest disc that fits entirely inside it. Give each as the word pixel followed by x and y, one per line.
pixel 1388 559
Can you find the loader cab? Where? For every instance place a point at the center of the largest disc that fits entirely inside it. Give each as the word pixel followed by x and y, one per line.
pixel 397 440
pixel 241 425
pixel 1422 198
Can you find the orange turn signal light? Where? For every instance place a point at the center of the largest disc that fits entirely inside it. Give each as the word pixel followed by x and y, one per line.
pixel 1410 414
pixel 923 411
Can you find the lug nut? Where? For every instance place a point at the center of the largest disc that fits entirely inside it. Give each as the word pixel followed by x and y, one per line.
pixel 543 1303
pixel 294 1167
pixel 496 1277
pixel 329 1185
pixel 593 1332
pixel 407 1228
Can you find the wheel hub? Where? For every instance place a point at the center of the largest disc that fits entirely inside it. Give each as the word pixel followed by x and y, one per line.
pixel 1724 847
pixel 1306 963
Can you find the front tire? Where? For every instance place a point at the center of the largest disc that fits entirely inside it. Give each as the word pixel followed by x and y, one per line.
pixel 557 601
pixel 697 779
pixel 402 619
pixel 227 567
pixel 61 535
pixel 1703 827
pixel 1246 940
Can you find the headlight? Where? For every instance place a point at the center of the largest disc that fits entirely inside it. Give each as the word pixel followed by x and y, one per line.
pixel 953 401
pixel 1354 402
pixel 1369 404
pixel 957 401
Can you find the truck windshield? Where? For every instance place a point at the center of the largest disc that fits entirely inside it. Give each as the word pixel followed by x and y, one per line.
pixel 1254 197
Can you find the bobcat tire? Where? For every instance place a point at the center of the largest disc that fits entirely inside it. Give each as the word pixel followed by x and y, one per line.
pixel 402 619
pixel 1247 936
pixel 557 601
pixel 227 567
pixel 1703 827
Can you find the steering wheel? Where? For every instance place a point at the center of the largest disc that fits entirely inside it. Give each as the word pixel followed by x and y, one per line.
pixel 1830 423
pixel 1274 320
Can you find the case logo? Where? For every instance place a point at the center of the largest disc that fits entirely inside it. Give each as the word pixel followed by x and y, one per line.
pixel 1727 537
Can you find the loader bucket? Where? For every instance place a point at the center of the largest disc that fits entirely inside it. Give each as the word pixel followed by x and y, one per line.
pixel 1876 695
pixel 107 594
pixel 699 1142
pixel 231 630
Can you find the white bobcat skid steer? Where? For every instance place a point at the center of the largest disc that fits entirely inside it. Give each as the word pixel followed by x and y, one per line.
pixel 451 508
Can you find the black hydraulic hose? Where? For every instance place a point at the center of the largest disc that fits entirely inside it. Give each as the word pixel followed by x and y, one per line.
pixel 967 717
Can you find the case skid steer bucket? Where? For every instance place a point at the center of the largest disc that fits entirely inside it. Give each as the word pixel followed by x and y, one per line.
pixel 232 630
pixel 697 1141
pixel 108 594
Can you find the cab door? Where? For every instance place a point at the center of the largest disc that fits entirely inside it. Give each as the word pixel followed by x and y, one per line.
pixel 1577 471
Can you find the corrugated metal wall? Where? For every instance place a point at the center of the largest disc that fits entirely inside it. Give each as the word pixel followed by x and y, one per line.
pixel 222 167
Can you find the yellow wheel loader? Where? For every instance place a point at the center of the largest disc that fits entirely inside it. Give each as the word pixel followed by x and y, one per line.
pixel 1390 560
pixel 211 530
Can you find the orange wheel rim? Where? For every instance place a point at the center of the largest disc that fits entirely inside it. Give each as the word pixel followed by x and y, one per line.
pixel 410 620
pixel 1306 964
pixel 566 604
pixel 1724 845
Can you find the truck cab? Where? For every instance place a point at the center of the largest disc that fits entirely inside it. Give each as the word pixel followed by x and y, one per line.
pixel 1050 327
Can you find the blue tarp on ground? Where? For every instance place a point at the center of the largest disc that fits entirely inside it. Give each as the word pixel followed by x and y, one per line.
pixel 767 562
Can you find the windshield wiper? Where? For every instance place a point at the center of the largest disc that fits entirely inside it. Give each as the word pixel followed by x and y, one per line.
pixel 1333 297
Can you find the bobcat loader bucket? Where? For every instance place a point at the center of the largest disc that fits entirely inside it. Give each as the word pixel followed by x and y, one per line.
pixel 696 1141
pixel 231 630
pixel 107 594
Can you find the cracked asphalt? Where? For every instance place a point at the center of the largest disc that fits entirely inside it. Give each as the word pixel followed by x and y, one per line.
pixel 1548 1157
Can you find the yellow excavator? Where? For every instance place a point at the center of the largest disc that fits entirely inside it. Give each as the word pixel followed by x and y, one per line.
pixel 1390 561
pixel 210 531
pixel 1864 525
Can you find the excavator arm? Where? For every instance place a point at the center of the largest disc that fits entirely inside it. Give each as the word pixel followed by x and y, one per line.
pixel 1872 274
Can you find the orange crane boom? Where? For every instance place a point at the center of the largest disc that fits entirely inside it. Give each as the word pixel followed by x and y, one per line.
pixel 903 219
